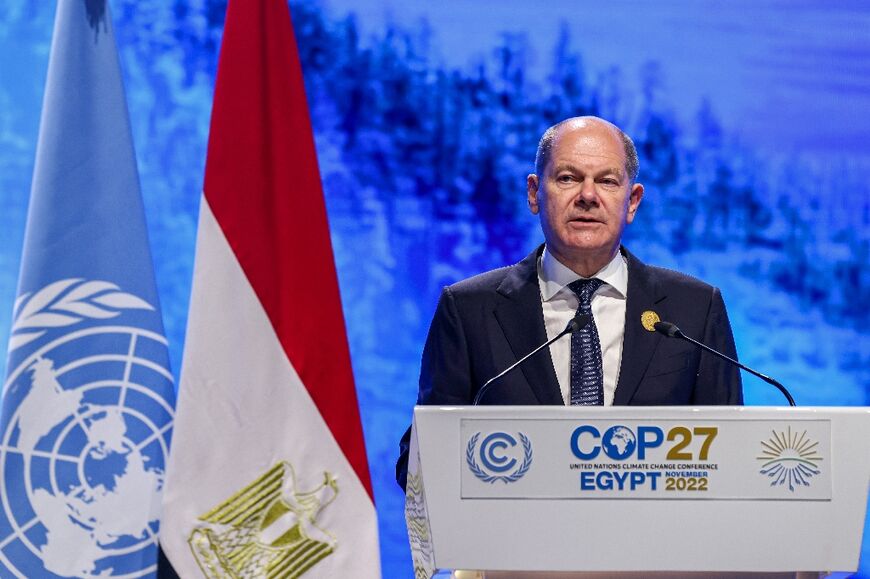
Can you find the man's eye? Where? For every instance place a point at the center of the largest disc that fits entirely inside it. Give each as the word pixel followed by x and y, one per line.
pixel 565 178
pixel 612 182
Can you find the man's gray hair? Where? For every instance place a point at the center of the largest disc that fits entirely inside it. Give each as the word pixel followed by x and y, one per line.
pixel 545 148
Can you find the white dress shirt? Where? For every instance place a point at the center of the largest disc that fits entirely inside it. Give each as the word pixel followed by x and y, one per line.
pixel 608 309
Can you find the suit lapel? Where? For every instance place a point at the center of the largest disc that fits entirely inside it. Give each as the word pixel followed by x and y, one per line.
pixel 638 345
pixel 521 318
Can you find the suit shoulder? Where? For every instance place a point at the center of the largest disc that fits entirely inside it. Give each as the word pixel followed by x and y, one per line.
pixel 505 280
pixel 670 278
pixel 482 283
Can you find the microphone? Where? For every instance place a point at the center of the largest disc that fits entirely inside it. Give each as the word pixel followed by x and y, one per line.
pixel 672 331
pixel 577 323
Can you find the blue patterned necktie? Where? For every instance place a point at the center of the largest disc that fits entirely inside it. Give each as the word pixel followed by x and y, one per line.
pixel 587 374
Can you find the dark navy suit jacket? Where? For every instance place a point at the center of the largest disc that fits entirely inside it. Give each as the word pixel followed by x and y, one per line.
pixel 485 323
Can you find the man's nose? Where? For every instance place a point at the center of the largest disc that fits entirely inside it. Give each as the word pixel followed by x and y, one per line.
pixel 587 195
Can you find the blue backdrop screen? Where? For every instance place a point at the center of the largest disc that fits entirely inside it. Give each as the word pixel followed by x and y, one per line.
pixel 750 119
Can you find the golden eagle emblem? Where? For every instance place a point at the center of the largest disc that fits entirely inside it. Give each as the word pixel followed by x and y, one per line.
pixel 267 529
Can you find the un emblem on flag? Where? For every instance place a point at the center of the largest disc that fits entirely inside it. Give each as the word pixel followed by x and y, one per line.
pixel 86 428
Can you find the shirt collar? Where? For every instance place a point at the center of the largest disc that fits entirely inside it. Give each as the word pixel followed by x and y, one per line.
pixel 554 275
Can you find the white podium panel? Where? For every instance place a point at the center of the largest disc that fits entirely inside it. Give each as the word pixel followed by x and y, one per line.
pixel 633 489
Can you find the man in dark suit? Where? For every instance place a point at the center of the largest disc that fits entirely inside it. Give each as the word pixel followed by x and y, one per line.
pixel 585 193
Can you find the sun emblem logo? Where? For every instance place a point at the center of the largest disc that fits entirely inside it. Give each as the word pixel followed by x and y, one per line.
pixel 790 459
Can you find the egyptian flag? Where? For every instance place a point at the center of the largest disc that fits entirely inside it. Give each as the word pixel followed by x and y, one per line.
pixel 267 474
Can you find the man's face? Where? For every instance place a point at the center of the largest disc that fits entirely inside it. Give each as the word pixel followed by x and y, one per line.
pixel 584 197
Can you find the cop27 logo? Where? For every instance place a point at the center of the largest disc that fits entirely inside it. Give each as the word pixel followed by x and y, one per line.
pixel 500 457
pixel 620 442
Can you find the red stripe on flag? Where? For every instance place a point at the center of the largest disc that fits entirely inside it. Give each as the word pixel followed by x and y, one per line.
pixel 263 185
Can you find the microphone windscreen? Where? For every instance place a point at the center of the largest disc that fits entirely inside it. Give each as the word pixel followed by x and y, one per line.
pixel 667 328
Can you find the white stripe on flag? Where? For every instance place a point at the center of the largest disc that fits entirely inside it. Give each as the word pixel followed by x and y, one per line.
pixel 241 410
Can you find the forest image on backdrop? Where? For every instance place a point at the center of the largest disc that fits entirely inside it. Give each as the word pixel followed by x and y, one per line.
pixel 424 169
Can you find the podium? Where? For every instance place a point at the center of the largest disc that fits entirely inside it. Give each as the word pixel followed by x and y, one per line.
pixel 632 491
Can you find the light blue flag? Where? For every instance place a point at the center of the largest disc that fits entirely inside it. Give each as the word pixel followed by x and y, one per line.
pixel 87 403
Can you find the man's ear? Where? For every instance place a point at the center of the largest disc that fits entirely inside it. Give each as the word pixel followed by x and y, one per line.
pixel 532 185
pixel 634 198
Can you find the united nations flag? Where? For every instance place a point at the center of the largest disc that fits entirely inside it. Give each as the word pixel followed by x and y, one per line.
pixel 87 403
